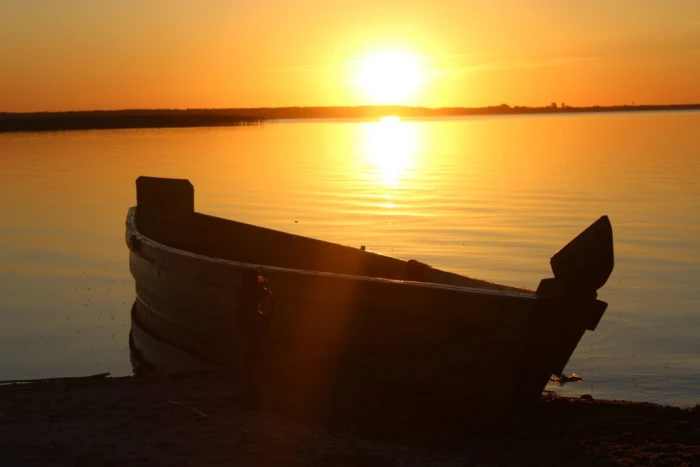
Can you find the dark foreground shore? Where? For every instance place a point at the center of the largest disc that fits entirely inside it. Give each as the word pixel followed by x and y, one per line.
pixel 157 421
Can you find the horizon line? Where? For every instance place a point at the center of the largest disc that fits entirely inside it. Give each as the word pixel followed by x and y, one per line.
pixel 502 106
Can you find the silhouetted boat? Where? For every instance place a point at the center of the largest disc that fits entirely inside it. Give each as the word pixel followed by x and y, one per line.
pixel 150 355
pixel 306 320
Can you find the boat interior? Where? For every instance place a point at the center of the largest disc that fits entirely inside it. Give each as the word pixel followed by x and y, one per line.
pixel 236 241
pixel 165 213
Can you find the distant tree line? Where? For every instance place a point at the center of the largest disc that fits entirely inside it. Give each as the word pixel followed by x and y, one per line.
pixel 168 118
pixel 371 112
pixel 119 119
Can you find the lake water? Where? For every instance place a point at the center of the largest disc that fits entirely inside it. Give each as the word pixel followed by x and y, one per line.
pixel 490 197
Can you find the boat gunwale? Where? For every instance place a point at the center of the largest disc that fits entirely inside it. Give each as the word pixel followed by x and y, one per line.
pixel 132 229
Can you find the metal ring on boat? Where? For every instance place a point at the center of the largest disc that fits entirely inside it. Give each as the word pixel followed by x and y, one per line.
pixel 264 296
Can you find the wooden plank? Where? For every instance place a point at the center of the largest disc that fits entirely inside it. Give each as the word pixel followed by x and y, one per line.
pixel 221 351
pixel 470 355
pixel 320 304
pixel 157 197
pixel 244 243
pixel 178 286
pixel 216 326
pixel 311 373
pixel 586 262
pixel 165 358
pixel 360 291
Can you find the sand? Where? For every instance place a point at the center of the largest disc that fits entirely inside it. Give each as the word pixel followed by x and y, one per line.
pixel 159 421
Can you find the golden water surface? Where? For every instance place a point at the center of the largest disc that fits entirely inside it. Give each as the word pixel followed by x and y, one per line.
pixel 490 197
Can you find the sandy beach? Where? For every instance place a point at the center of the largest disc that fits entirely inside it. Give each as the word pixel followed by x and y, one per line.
pixel 160 421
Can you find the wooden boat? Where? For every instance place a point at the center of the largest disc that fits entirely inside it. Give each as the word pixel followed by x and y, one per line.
pixel 150 355
pixel 304 320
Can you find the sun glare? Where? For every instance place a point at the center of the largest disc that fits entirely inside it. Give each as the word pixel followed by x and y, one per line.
pixel 391 146
pixel 389 77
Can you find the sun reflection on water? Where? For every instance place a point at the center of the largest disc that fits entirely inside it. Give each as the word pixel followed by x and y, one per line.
pixel 391 146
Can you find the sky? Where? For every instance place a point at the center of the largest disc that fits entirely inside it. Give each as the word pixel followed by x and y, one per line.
pixel 99 54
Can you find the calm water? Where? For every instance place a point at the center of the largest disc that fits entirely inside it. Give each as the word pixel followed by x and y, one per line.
pixel 489 197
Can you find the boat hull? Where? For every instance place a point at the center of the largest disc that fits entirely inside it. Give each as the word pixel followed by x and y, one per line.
pixel 331 339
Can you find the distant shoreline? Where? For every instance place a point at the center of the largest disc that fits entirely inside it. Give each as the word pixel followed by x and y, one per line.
pixel 372 112
pixel 120 119
pixel 171 118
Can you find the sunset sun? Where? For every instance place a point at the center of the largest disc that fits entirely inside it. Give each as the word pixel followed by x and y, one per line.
pixel 389 77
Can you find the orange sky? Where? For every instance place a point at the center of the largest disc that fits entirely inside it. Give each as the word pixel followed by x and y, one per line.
pixel 94 54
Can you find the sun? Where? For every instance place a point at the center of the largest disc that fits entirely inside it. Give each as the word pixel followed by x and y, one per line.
pixel 389 77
